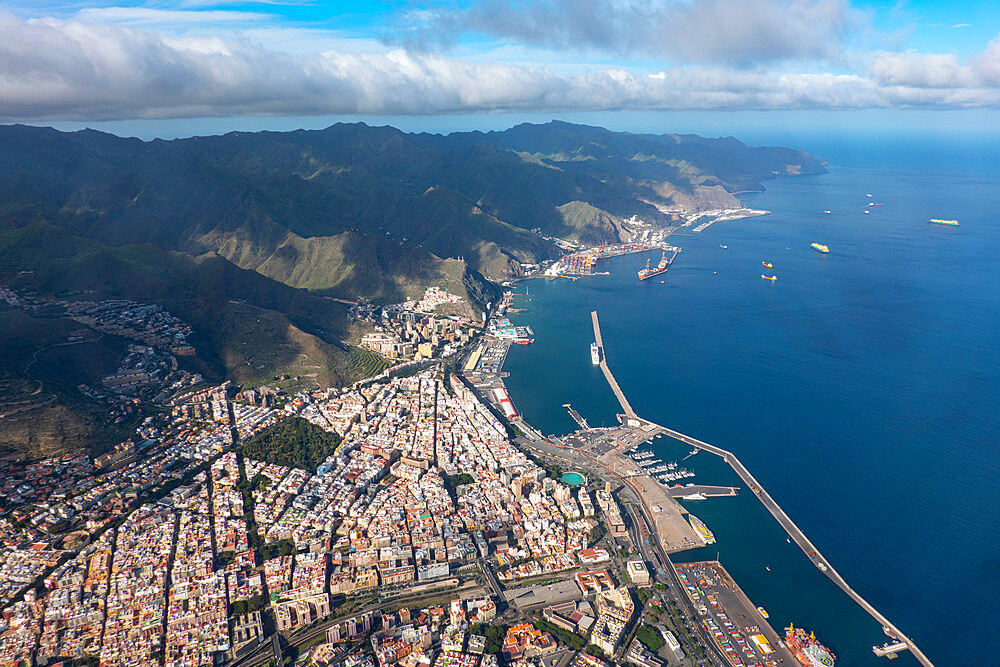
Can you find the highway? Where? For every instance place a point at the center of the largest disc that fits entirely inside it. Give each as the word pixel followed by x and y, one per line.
pixel 765 498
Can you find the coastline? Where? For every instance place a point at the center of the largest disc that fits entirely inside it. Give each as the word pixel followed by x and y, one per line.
pixel 613 463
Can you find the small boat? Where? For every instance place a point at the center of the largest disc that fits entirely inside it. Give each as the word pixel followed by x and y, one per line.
pixel 771 278
pixel 788 540
pixel 661 282
pixel 876 204
pixel 866 212
pixel 763 612
pixel 723 246
pixel 767 567
pixel 868 194
pixel 827 212
pixel 767 264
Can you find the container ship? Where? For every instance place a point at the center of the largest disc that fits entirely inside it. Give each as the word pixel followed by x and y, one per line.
pixel 938 221
pixel 806 649
pixel 819 247
pixel 595 354
pixel 707 536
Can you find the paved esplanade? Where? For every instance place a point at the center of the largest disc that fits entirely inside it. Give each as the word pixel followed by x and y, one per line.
pixel 765 498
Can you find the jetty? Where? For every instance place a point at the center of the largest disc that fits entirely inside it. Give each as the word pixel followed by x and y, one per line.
pixel 577 417
pixel 707 491
pixel 619 394
pixel 794 532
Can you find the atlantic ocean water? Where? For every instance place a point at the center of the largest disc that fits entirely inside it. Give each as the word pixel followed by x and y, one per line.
pixel 862 388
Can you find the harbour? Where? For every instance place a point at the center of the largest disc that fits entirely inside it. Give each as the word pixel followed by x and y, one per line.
pixel 807 401
pixel 795 534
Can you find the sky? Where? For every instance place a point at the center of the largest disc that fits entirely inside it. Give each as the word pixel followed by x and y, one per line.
pixel 181 67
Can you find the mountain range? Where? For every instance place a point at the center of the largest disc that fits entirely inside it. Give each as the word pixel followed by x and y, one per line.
pixel 275 221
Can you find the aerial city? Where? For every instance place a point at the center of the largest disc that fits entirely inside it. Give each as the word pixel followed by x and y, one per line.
pixel 483 334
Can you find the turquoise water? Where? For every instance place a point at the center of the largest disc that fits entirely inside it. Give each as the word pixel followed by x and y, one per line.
pixel 861 388
pixel 573 479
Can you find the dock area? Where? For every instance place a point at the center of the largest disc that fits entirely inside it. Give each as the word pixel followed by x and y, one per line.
pixel 705 490
pixel 739 630
pixel 765 498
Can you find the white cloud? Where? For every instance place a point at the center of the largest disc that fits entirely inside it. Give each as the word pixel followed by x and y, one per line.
pixel 737 32
pixel 938 70
pixel 146 16
pixel 75 70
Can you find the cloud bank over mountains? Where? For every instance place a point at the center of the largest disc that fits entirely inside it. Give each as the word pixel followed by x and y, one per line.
pixel 114 63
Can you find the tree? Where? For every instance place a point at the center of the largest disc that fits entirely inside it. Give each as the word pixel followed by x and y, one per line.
pixel 650 637
pixel 292 442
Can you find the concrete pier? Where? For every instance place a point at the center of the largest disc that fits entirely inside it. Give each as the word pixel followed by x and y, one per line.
pixel 577 417
pixel 707 491
pixel 765 498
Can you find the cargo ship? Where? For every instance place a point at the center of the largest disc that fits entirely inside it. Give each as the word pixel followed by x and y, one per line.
pixel 771 278
pixel 706 536
pixel 938 221
pixel 767 265
pixel 806 649
pixel 595 354
pixel 819 247
pixel 656 270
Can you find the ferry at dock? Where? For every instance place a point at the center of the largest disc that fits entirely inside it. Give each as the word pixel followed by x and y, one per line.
pixel 595 354
pixel 706 536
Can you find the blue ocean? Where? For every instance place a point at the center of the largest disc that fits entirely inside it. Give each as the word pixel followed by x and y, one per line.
pixel 862 387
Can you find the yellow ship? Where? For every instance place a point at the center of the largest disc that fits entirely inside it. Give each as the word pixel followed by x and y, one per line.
pixel 819 247
pixel 763 612
pixel 938 221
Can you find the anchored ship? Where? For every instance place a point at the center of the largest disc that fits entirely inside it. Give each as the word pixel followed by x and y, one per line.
pixel 806 649
pixel 595 354
pixel 819 247
pixel 771 278
pixel 938 221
